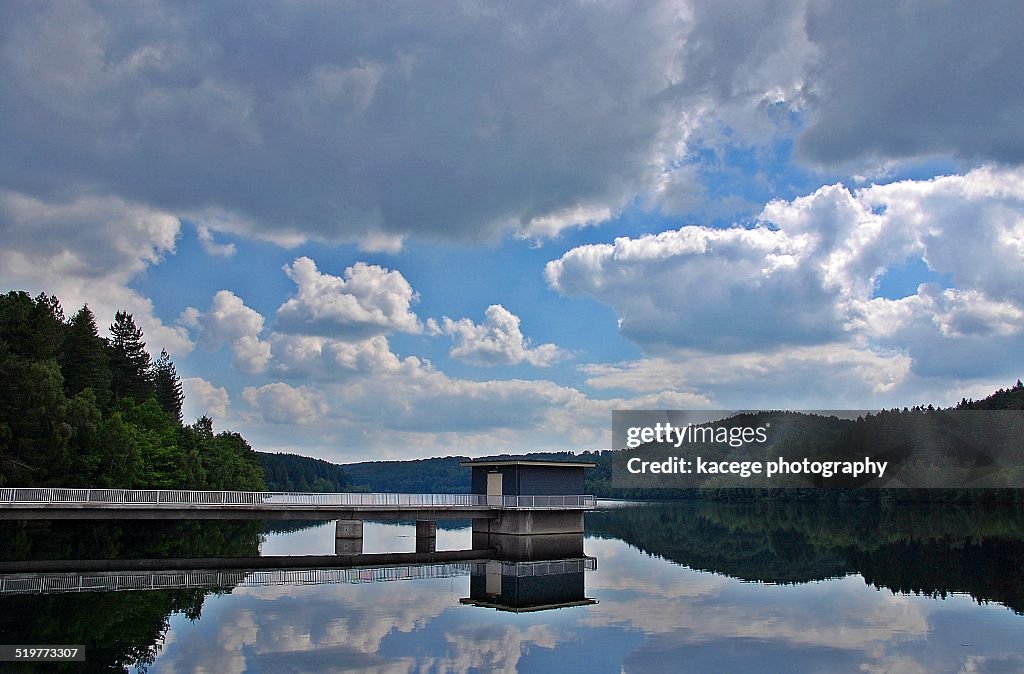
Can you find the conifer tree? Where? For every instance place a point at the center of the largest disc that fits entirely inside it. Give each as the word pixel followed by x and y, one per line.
pixel 129 360
pixel 48 325
pixel 85 362
pixel 31 328
pixel 167 386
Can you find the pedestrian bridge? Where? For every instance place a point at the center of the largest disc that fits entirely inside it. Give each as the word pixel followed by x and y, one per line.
pixel 509 496
pixel 72 503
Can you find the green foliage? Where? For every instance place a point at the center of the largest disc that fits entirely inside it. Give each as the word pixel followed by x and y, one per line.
pixel 129 360
pixel 1003 399
pixel 423 476
pixel 85 362
pixel 291 472
pixel 231 463
pixel 167 386
pixel 75 412
pixel 34 430
pixel 32 329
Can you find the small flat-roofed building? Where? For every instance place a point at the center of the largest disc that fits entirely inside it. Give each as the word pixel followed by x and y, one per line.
pixel 527 477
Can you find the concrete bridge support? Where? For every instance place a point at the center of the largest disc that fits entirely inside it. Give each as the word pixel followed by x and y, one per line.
pixel 531 522
pixel 348 537
pixel 426 535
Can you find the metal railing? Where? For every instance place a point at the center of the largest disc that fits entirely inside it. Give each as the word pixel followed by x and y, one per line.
pixel 226 579
pixel 556 567
pixel 542 502
pixel 57 583
pixel 170 498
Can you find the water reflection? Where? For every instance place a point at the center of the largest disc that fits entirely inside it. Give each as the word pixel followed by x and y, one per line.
pixel 681 587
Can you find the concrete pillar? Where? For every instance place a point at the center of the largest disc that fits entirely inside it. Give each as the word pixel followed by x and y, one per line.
pixel 426 536
pixel 348 537
pixel 532 522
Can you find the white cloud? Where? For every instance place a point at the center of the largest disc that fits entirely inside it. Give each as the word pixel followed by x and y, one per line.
pixel 229 320
pixel 375 242
pixel 203 398
pixel 798 292
pixel 211 247
pixel 551 224
pixel 496 341
pixel 305 356
pixel 801 377
pixel 88 250
pixel 714 289
pixel 369 402
pixel 279 403
pixel 369 300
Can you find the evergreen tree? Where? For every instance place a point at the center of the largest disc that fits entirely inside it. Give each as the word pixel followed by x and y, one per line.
pixel 129 360
pixel 167 386
pixel 34 432
pixel 48 321
pixel 31 329
pixel 85 363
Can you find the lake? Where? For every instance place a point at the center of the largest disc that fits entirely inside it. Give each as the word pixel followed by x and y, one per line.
pixel 673 587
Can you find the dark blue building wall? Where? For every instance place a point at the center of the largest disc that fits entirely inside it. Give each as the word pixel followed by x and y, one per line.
pixel 526 480
pixel 530 591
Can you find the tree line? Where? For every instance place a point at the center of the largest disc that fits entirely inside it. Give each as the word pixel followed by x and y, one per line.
pixel 81 410
pixel 292 472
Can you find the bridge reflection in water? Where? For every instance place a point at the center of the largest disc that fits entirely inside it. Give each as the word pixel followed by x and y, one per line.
pixel 504 572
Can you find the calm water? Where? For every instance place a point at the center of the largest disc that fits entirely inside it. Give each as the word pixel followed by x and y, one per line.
pixel 683 587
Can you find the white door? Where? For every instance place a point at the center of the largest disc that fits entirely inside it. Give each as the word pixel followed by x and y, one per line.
pixel 492 581
pixel 494 489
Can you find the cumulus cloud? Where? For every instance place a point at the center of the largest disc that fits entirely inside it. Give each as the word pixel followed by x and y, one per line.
pixel 88 250
pixel 368 300
pixel 804 280
pixel 312 357
pixel 388 406
pixel 211 247
pixel 230 321
pixel 279 403
pixel 714 289
pixel 203 398
pixel 496 341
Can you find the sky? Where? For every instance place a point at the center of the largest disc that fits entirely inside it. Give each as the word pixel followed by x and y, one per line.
pixel 400 230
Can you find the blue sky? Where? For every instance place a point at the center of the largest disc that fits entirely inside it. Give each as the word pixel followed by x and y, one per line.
pixel 412 230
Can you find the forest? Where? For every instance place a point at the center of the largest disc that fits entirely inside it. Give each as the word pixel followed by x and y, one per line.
pixel 81 410
pixel 292 472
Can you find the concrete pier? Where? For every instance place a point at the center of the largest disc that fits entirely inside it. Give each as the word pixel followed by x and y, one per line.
pixel 348 537
pixel 426 536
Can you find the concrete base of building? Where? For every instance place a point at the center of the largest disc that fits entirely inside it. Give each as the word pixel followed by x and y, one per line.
pixel 531 522
pixel 518 548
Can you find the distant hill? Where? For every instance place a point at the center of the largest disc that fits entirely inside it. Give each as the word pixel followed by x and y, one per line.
pixel 291 472
pixel 441 475
pixel 1003 399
